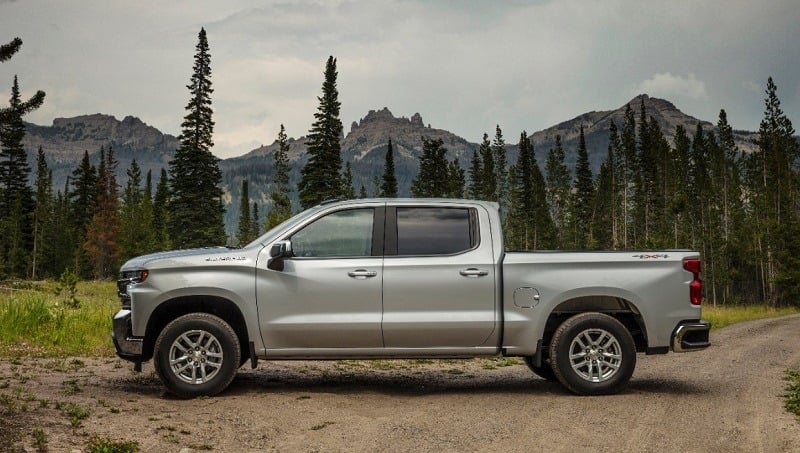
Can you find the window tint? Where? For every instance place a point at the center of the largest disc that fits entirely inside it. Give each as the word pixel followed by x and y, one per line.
pixel 342 233
pixel 434 231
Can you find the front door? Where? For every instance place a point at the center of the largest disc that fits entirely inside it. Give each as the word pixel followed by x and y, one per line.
pixel 328 294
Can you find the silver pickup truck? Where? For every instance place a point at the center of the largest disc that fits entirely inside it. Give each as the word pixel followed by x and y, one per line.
pixel 404 278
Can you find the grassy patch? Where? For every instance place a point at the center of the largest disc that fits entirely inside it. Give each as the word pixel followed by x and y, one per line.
pixel 77 414
pixel 721 316
pixel 34 321
pixel 793 392
pixel 106 445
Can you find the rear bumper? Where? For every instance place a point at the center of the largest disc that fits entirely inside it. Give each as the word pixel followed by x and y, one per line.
pixel 128 347
pixel 690 336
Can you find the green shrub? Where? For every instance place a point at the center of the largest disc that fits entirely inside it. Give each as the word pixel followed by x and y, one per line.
pixel 99 444
pixel 793 391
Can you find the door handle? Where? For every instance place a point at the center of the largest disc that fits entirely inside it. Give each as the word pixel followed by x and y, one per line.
pixel 473 272
pixel 362 274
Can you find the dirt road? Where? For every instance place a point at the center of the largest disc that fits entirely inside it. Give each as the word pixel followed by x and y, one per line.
pixel 726 398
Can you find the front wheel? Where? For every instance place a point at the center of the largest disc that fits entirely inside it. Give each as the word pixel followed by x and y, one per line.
pixel 593 354
pixel 197 355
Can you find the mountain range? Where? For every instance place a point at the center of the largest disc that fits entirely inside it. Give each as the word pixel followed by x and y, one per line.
pixel 65 141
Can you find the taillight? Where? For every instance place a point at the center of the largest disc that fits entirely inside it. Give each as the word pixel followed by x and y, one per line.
pixel 696 286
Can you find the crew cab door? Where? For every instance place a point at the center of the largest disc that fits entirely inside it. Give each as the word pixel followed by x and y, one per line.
pixel 438 278
pixel 328 294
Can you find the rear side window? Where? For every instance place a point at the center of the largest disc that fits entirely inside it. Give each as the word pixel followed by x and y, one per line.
pixel 435 231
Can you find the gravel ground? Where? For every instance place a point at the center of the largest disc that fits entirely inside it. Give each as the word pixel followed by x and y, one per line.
pixel 726 398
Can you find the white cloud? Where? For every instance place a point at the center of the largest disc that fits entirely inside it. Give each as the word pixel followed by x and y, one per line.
pixel 670 86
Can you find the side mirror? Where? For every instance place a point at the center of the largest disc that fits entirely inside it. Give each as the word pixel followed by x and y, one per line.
pixel 279 252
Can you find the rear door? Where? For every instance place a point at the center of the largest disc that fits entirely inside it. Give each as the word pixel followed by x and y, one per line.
pixel 438 278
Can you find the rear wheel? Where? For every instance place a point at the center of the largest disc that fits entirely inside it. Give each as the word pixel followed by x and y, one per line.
pixel 593 354
pixel 545 371
pixel 197 355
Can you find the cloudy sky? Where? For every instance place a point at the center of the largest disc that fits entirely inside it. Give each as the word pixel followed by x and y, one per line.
pixel 463 65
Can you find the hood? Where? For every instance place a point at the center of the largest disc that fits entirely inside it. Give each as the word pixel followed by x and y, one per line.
pixel 142 262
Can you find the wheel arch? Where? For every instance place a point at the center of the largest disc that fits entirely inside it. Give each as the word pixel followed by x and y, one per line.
pixel 608 303
pixel 171 309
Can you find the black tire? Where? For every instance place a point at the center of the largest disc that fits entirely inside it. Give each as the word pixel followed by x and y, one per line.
pixel 206 353
pixel 602 350
pixel 545 371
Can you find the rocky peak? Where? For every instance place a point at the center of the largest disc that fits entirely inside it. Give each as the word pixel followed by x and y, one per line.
pixel 68 138
pixel 373 115
pixel 384 117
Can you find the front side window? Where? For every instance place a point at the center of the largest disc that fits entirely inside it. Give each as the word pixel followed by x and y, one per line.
pixel 342 233
pixel 435 231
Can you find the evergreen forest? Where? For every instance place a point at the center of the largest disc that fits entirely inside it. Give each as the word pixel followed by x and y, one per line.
pixel 694 190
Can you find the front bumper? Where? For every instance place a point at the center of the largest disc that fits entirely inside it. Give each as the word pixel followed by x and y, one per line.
pixel 691 336
pixel 128 347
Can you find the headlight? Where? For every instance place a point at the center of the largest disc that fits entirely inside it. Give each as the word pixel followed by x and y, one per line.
pixel 130 277
pixel 136 276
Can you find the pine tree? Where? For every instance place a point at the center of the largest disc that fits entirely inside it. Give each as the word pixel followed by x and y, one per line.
pixel 161 202
pixel 7 50
pixel 500 168
pixel 362 193
pixel 731 254
pixel 9 113
pixel 136 215
pixel 255 222
pixel 475 176
pixel 648 203
pixel 102 235
pixel 321 176
pixel 678 209
pixel 529 226
pixel 455 180
pixel 628 175
pixel 196 208
pixel 348 191
pixel 432 178
pixel 489 176
pixel 615 171
pixel 603 221
pixel 16 198
pixel 42 214
pixel 61 234
pixel 773 181
pixel 14 167
pixel 243 234
pixel 137 235
pixel 558 181
pixel 699 187
pixel 130 215
pixel 376 186
pixel 389 182
pixel 582 214
pixel 82 200
pixel 281 204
